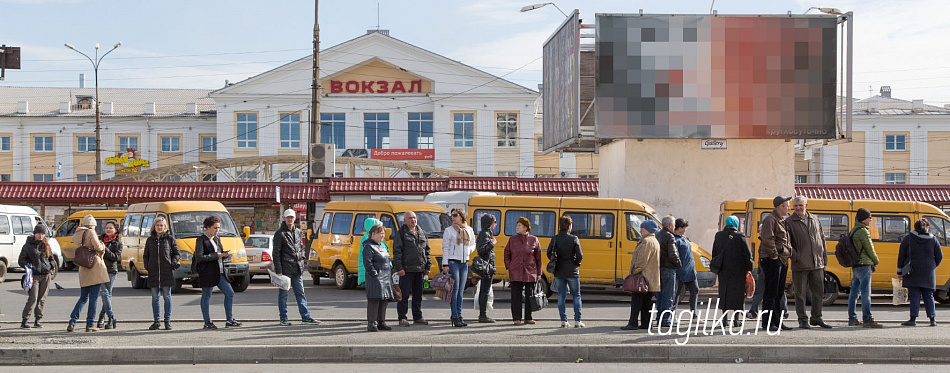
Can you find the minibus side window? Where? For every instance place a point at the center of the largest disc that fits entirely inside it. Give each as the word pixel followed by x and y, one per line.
pixel 67 229
pixel 389 222
pixel 633 225
pixel 542 222
pixel 890 228
pixel 477 220
pixel 325 224
pixel 341 223
pixel 4 225
pixel 938 228
pixel 22 225
pixel 592 224
pixel 834 225
pixel 741 217
pixel 358 228
pixel 146 225
pixel 133 227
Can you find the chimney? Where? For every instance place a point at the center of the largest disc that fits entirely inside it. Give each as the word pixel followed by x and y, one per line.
pixel 873 104
pixel 82 80
pixel 64 107
pixel 23 107
pixel 149 108
pixel 107 108
pixel 918 106
pixel 191 108
pixel 886 91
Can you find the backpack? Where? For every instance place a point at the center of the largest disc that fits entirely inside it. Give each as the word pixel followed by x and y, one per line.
pixel 845 251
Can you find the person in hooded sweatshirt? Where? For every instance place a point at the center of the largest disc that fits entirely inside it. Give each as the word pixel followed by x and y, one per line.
pixel 36 254
pixel 485 246
pixel 918 258
pixel 90 279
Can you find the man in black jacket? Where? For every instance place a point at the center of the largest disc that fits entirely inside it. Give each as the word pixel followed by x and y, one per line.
pixel 411 262
pixel 290 260
pixel 669 263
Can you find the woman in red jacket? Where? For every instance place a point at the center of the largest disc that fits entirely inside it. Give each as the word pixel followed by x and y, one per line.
pixel 523 260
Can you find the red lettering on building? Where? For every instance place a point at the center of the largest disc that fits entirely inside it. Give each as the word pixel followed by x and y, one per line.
pixel 415 86
pixel 398 87
pixel 336 87
pixel 383 86
pixel 367 87
pixel 354 84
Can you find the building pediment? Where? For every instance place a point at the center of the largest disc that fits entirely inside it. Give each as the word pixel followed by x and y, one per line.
pixel 375 76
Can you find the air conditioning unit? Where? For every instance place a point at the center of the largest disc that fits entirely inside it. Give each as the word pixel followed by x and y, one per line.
pixel 322 161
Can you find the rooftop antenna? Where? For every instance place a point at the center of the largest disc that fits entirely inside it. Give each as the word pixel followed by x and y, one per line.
pixel 711 6
pixel 377 16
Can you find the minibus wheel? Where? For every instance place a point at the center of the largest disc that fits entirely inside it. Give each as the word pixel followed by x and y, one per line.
pixel 55 270
pixel 240 283
pixel 546 286
pixel 341 277
pixel 3 270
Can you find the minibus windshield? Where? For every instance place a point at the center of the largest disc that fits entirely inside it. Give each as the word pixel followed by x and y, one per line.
pixel 433 223
pixel 191 224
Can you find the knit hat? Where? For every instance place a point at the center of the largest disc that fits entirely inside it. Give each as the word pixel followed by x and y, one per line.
pixel 732 221
pixel 650 226
pixel 88 221
pixel 862 214
pixel 525 222
pixel 39 228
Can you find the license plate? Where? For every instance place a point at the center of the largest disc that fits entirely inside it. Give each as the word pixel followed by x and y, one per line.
pixel 254 258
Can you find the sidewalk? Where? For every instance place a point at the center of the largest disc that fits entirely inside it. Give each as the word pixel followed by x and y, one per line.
pixel 343 341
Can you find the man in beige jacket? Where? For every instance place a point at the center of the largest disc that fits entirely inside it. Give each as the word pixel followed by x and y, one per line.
pixel 809 256
pixel 89 278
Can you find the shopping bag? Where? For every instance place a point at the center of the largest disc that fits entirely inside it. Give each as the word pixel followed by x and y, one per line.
pixel 27 280
pixel 749 285
pixel 489 305
pixel 539 299
pixel 900 292
pixel 281 281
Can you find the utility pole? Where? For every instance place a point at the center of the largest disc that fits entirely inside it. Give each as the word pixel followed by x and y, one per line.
pixel 314 110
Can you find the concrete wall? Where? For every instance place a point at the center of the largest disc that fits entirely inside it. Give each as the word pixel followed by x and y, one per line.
pixel 678 177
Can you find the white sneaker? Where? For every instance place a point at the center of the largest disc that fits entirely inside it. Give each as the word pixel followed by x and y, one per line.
pixel 565 324
pixel 579 324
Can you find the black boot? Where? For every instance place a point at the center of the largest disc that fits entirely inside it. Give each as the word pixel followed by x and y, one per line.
pixel 371 327
pixel 462 321
pixel 483 318
pixel 933 321
pixel 37 324
pixel 99 323
pixel 110 323
pixel 168 325
pixel 24 324
pixel 456 323
pixel 911 322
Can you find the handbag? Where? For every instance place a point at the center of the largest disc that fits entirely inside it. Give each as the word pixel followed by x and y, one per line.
pixel 442 281
pixel 85 257
pixel 715 265
pixel 539 299
pixel 552 263
pixel 482 267
pixel 636 284
pixel 906 270
pixel 397 290
pixel 749 285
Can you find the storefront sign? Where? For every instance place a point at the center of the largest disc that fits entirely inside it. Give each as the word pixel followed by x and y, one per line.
pixel 376 86
pixel 403 154
pixel 714 144
pixel 127 159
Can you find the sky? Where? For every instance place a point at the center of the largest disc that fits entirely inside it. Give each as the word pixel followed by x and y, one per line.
pixel 201 44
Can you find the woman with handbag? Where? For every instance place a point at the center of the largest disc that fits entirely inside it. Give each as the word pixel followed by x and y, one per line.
pixel 565 252
pixel 37 254
pixel 379 286
pixel 111 256
pixel 210 255
pixel 161 260
pixel 644 262
pixel 485 246
pixel 90 279
pixel 523 260
pixel 917 259
pixel 731 249
pixel 458 243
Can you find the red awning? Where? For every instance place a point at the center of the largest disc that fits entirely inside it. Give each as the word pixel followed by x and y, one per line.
pixel 135 192
pixel 933 194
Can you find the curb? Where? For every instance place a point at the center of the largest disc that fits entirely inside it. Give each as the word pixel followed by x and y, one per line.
pixel 798 354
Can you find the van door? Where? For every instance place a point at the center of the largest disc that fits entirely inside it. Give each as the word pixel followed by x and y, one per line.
pixel 595 231
pixel 130 240
pixel 353 256
pixel 887 231
pixel 7 248
pixel 144 232
pixel 628 243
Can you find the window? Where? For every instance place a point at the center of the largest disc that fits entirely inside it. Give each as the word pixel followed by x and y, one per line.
pixel 171 144
pixel 209 144
pixel 325 224
pixel 290 176
pixel 587 176
pixel 376 130
pixel 390 222
pixel 544 176
pixel 834 225
pixel 247 176
pixel 358 228
pixel 209 177
pixel 542 222
pixel 85 177
pixel 464 126
pixel 507 174
pixel 540 144
pixel 290 130
pixel 420 131
pixel 417 175
pixel 86 144
pixel 4 143
pixel 146 225
pixel 246 130
pixel 341 223
pixel 889 228
pixel 738 215
pixel 22 225
pixel 433 223
pixel 172 178
pixel 4 225
pixel 895 142
pixel 506 125
pixel 801 179
pixel 128 142
pixel 477 220
pixel 42 177
pixel 132 229
pixel 43 143
pixel 592 224
pixel 938 228
pixel 4 177
pixel 895 178
pixel 633 225
pixel 67 228
pixel 333 129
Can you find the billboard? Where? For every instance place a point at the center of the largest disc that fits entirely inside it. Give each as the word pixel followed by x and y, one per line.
pixel 561 89
pixel 715 76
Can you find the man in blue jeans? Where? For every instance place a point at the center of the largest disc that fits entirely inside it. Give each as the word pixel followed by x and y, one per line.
pixel 861 272
pixel 290 260
pixel 669 263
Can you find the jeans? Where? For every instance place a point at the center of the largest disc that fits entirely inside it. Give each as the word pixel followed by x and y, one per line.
pixel 913 295
pixel 562 285
pixel 521 291
pixel 774 273
pixel 459 271
pixel 860 285
pixel 91 294
pixel 228 292
pixel 681 288
pixel 812 282
pixel 410 284
pixel 296 283
pixel 166 292
pixel 664 299
pixel 483 289
pixel 106 293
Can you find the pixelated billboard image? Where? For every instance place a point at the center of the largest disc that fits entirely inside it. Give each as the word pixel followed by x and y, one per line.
pixel 699 76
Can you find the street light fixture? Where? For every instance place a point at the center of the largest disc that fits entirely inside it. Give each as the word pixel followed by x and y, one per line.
pixel 95 68
pixel 539 5
pixel 832 11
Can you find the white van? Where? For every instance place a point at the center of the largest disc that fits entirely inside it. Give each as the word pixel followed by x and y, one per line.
pixel 16 224
pixel 454 199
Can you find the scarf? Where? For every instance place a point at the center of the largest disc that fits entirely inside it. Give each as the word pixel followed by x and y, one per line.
pixel 106 239
pixel 464 238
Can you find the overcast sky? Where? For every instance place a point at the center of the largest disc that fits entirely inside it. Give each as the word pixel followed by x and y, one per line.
pixel 200 44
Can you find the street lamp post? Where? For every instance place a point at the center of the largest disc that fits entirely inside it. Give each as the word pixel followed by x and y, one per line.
pixel 95 68
pixel 539 5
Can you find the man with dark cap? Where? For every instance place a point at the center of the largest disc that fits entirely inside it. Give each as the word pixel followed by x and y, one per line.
pixel 861 272
pixel 774 252
pixel 669 263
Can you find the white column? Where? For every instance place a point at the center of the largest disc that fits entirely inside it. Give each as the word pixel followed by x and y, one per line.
pixel 917 173
pixel 268 132
pixel 526 143
pixel 828 168
pixel 398 130
pixel 873 157
pixel 64 149
pixel 442 137
pixel 485 141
